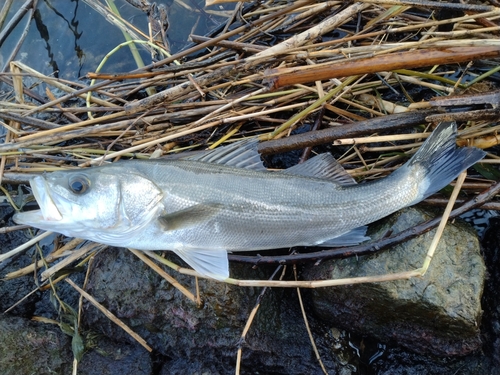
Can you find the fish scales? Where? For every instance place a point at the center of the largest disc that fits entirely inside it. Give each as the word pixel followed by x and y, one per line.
pixel 267 210
pixel 224 200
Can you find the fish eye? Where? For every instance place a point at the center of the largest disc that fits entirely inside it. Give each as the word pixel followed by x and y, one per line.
pixel 79 184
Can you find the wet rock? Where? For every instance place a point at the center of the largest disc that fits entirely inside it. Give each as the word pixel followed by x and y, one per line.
pixel 400 362
pixel 11 291
pixel 204 339
pixel 111 358
pixel 37 348
pixel 491 299
pixel 33 348
pixel 20 296
pixel 438 314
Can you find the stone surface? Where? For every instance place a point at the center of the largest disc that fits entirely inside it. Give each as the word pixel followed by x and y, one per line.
pixel 32 348
pixel 491 300
pixel 115 358
pixel 438 314
pixel 202 339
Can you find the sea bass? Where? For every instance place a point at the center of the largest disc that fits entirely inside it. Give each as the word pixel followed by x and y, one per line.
pixel 207 205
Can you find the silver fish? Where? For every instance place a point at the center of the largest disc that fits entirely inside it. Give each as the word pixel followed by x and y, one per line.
pixel 224 200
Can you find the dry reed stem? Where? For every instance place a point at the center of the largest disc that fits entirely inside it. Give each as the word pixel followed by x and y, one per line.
pixel 110 315
pixel 251 318
pixel 74 255
pixel 24 298
pixel 163 274
pixel 57 83
pixel 322 28
pixel 306 322
pixel 48 259
pixel 24 246
pixel 442 224
pixel 434 4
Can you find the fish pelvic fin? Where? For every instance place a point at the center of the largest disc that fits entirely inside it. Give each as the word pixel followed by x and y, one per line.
pixel 212 263
pixel 439 161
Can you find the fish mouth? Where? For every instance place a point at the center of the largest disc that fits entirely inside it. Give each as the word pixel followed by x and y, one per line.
pixel 48 210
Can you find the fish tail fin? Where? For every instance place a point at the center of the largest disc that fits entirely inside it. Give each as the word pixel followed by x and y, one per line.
pixel 440 161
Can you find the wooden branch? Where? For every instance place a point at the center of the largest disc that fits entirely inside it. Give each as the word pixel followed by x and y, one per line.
pixel 377 124
pixel 400 60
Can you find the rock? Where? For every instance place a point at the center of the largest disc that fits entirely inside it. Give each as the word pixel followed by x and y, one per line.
pixel 33 348
pixel 11 291
pixel 438 314
pixel 491 298
pixel 37 348
pixel 112 358
pixel 34 302
pixel 400 362
pixel 200 340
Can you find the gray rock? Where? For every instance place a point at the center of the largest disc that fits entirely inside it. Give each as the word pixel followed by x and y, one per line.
pixel 30 347
pixel 33 348
pixel 112 358
pixel 437 314
pixel 204 339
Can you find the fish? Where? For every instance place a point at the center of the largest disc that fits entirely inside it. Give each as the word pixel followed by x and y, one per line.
pixel 224 200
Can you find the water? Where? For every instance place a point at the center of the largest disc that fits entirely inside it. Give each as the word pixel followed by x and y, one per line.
pixel 67 38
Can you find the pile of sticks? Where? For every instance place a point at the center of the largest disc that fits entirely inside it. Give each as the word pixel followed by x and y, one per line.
pixel 273 67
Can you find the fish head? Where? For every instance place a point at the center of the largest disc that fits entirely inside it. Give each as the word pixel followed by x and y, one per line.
pixel 95 203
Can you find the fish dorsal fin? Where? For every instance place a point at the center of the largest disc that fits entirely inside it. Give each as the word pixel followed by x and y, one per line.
pixel 323 166
pixel 188 217
pixel 241 154
pixel 209 262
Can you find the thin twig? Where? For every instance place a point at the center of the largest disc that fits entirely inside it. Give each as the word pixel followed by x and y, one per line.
pixel 110 315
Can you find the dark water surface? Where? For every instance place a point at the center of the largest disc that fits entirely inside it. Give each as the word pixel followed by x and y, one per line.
pixel 68 38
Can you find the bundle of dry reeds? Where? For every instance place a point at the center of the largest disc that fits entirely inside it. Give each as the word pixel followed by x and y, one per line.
pixel 342 58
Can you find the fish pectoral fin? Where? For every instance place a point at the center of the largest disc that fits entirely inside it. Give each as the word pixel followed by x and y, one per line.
pixel 353 237
pixel 323 166
pixel 211 263
pixel 188 217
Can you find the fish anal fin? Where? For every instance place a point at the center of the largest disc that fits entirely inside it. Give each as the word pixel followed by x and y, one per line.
pixel 208 262
pixel 323 166
pixel 188 217
pixel 353 237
